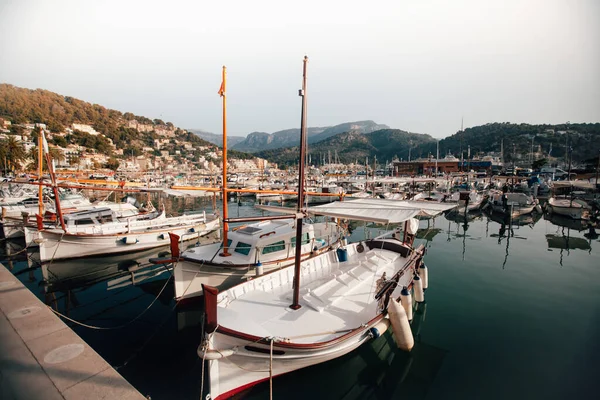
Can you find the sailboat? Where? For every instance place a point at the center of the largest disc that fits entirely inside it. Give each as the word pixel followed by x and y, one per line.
pixel 262 245
pixel 317 309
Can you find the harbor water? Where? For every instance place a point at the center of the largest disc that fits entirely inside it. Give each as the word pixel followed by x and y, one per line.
pixel 512 311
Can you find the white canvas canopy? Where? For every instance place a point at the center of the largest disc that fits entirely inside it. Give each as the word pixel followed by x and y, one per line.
pixel 374 210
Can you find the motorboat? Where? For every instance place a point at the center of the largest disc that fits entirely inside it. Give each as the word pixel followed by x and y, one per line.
pixel 252 250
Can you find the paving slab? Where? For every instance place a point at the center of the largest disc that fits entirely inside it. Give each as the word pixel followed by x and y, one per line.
pixel 42 358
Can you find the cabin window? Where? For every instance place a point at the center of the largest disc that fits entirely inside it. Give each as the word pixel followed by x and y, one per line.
pixel 273 247
pixel 84 221
pixel 243 248
pixel 305 239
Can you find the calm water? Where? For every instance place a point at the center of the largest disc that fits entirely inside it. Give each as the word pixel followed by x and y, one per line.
pixel 511 312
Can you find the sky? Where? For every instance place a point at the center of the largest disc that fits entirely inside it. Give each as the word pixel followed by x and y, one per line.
pixel 416 65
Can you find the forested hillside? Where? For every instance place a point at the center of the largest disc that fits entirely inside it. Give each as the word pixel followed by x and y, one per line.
pixel 58 112
pixel 519 140
pixel 352 147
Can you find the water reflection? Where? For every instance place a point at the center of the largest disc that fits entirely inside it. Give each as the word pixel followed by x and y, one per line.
pixel 463 221
pixel 563 240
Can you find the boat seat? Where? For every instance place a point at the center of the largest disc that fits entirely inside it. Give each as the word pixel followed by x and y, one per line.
pixel 361 272
pixel 330 291
pixel 313 303
pixel 386 259
pixel 345 267
pixel 308 287
pixel 346 279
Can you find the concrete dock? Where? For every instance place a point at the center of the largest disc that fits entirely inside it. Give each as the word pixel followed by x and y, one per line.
pixel 42 358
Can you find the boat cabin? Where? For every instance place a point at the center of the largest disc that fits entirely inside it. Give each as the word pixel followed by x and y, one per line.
pixel 266 241
pixel 90 217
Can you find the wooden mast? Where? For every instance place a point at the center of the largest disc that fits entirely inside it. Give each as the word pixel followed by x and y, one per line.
pixel 40 161
pixel 224 183
pixel 295 304
pixel 54 185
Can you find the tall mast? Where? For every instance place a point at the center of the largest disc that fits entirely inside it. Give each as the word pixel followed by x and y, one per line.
pixel 295 304
pixel 40 161
pixel 54 185
pixel 437 156
pixel 224 191
pixel 462 133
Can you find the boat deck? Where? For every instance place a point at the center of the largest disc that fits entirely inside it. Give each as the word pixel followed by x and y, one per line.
pixel 335 297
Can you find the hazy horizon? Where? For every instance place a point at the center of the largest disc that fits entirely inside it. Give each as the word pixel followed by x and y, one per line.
pixel 416 66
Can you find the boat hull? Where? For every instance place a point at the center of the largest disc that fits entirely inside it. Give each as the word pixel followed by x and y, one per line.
pixel 339 306
pixel 569 209
pixel 225 376
pixel 55 245
pixel 514 211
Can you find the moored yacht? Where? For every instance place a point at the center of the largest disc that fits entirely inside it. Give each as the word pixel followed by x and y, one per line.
pixel 252 250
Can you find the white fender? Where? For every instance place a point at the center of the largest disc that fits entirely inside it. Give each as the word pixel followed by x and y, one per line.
pixel 418 287
pixel 402 333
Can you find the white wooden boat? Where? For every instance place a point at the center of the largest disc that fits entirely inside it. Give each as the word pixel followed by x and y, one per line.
pixel 513 204
pixel 253 249
pixel 569 207
pixel 89 236
pixel 16 215
pixel 467 201
pixel 254 325
pixel 13 227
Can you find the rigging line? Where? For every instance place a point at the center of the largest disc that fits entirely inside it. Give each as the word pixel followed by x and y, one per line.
pixel 271 370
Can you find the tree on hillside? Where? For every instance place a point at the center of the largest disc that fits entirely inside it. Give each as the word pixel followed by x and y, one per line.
pixel 60 141
pixel 12 153
pixel 55 127
pixel 55 154
pixel 112 164
pixel 17 129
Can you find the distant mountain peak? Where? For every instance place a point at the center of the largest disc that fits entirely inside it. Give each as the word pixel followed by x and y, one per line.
pixel 258 141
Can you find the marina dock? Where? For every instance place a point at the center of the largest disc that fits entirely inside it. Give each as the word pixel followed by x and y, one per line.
pixel 42 358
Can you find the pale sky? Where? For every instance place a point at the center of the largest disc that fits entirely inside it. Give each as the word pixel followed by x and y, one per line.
pixel 418 65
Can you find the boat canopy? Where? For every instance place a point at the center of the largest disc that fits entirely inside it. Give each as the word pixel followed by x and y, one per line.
pixel 381 211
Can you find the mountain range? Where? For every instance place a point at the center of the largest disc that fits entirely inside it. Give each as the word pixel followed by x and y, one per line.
pixel 259 141
pixel 354 146
pixel 217 139
pixel 521 143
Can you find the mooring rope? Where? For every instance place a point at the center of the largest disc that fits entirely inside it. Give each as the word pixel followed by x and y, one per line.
pixel 271 370
pixel 119 326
